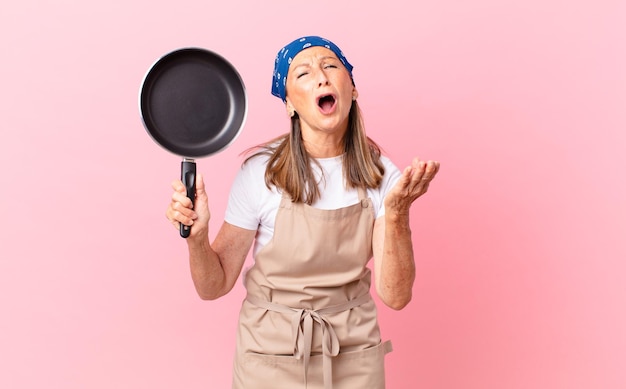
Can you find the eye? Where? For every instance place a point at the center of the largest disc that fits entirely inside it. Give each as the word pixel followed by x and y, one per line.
pixel 302 74
pixel 330 66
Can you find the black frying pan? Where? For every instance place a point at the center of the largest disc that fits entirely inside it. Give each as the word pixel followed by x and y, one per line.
pixel 193 103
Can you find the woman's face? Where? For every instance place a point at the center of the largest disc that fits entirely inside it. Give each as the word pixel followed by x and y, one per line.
pixel 320 90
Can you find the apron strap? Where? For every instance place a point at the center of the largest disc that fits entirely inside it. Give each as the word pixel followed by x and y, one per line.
pixel 362 193
pixel 302 330
pixel 285 199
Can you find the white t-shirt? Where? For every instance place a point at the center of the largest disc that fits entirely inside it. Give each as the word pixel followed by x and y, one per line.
pixel 251 205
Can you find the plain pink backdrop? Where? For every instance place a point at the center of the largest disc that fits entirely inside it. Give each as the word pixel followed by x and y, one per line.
pixel 520 241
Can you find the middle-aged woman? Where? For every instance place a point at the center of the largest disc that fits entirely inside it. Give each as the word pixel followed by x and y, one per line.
pixel 318 203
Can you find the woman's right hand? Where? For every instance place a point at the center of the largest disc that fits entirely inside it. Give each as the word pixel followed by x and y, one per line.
pixel 181 210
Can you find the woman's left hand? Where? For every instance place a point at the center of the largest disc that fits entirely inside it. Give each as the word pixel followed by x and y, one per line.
pixel 412 184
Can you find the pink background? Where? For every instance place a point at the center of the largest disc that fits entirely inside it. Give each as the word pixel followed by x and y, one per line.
pixel 520 242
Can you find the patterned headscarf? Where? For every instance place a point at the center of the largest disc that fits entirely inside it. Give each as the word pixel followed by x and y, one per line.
pixel 287 54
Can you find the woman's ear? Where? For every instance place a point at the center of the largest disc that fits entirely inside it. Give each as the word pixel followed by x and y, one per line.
pixel 290 110
pixel 355 94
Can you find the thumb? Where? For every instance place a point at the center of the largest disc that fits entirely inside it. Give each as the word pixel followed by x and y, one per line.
pixel 200 185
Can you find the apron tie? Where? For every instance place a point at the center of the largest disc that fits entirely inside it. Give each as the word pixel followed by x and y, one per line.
pixel 302 331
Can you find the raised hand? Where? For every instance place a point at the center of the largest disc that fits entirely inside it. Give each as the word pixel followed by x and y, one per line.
pixel 412 184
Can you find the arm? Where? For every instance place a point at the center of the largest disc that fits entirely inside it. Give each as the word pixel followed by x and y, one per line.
pixel 214 268
pixel 394 263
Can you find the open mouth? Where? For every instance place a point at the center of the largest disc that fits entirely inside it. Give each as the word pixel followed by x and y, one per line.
pixel 326 103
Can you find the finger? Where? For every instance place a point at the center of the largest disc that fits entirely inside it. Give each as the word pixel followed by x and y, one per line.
pixel 430 169
pixel 433 169
pixel 405 178
pixel 419 168
pixel 436 165
pixel 200 191
pixel 180 214
pixel 178 186
pixel 181 209
pixel 182 198
pixel 416 163
pixel 171 215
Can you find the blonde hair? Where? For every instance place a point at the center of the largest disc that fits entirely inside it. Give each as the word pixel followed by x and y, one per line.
pixel 289 165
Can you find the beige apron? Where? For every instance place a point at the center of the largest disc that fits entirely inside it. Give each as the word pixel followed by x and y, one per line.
pixel 309 320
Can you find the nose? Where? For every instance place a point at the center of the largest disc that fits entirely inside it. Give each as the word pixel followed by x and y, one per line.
pixel 322 79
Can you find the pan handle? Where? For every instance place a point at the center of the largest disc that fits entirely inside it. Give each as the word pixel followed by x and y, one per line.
pixel 188 177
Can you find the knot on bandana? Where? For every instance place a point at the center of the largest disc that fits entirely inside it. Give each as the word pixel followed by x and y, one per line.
pixel 287 54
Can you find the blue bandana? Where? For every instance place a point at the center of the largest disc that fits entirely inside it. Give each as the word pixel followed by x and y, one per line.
pixel 287 54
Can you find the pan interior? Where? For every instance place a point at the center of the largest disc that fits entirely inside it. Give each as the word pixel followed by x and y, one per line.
pixel 193 103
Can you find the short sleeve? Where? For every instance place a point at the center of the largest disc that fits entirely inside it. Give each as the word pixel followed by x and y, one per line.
pixel 391 177
pixel 243 201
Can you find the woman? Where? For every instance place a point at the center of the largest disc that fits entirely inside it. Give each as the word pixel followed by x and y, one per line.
pixel 317 202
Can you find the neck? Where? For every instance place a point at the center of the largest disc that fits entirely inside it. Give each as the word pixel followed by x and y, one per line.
pixel 323 144
pixel 326 149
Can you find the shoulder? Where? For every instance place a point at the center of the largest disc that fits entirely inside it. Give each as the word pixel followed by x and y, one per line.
pixel 255 162
pixel 388 164
pixel 247 193
pixel 250 177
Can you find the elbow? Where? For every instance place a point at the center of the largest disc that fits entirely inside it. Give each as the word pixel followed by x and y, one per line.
pixel 207 297
pixel 396 294
pixel 210 294
pixel 396 303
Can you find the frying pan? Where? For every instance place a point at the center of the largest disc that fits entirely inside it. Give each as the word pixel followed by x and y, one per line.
pixel 193 103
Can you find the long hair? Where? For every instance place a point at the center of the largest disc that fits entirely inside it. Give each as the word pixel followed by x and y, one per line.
pixel 289 165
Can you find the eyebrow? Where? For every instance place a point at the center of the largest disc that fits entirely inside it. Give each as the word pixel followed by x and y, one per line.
pixel 324 58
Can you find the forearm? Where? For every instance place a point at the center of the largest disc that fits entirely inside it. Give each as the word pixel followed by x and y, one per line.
pixel 214 267
pixel 398 265
pixel 206 268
